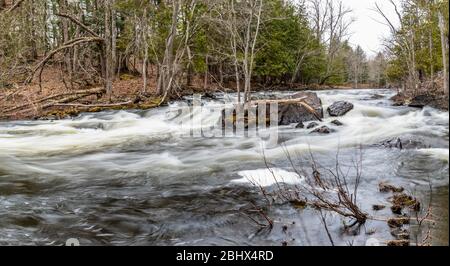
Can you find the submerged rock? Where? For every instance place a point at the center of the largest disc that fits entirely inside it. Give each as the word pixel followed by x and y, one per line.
pixel 403 143
pixel 398 243
pixel 340 108
pixel 376 97
pixel 400 233
pixel 398 222
pixel 405 200
pixel 384 187
pixel 208 95
pixel 323 130
pixel 378 207
pixel 300 125
pixel 337 123
pixel 396 209
pixel 312 125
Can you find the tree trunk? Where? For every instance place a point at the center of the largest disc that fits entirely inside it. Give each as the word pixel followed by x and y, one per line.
pixel 444 44
pixel 66 38
pixel 108 50
pixel 206 79
pixel 167 68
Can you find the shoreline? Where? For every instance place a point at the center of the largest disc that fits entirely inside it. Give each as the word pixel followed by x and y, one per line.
pixel 137 101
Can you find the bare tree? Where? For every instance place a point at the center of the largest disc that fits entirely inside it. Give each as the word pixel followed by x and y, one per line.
pixel 109 46
pixel 166 69
pixel 251 37
pixel 331 24
pixel 443 27
pixel 406 41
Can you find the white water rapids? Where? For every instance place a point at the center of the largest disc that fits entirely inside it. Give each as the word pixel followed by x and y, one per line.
pixel 133 177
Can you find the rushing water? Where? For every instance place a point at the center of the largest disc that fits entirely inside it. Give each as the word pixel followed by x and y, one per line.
pixel 133 178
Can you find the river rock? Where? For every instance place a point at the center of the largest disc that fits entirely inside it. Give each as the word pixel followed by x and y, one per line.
pixel 398 99
pixel 421 101
pixel 400 233
pixel 312 125
pixel 396 209
pixel 398 243
pixel 323 130
pixel 376 97
pixel 300 125
pixel 378 207
pixel 404 143
pixel 340 108
pixel 208 95
pixel 290 113
pixel 385 188
pixel 337 123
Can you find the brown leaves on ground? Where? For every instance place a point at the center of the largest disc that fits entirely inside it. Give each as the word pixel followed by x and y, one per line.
pixel 127 88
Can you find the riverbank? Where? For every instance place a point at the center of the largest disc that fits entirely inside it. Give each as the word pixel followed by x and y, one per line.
pixel 428 93
pixel 53 100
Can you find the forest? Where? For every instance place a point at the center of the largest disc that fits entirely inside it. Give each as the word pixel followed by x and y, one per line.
pixel 303 135
pixel 174 45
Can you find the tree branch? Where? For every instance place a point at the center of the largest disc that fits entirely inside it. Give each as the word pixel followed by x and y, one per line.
pixel 66 45
pixel 79 23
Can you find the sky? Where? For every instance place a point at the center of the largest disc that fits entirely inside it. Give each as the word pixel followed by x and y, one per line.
pixel 367 31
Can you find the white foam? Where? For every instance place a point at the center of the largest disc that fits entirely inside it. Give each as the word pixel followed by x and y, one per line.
pixel 441 154
pixel 268 177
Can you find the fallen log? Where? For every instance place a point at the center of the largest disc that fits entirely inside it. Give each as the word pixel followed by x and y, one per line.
pixel 278 101
pixel 83 92
pixel 91 105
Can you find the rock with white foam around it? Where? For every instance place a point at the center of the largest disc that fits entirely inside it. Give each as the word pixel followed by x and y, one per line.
pixel 323 130
pixel 340 108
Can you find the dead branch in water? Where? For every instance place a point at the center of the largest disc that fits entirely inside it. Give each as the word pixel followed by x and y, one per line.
pixel 333 193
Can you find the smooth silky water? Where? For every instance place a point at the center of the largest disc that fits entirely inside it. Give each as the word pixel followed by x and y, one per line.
pixel 134 178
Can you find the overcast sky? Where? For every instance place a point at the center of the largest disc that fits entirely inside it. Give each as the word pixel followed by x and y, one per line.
pixel 367 32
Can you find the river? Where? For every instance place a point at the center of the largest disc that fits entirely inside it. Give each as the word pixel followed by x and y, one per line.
pixel 134 178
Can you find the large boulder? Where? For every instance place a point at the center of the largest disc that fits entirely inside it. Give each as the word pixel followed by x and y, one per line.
pixel 340 108
pixel 290 113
